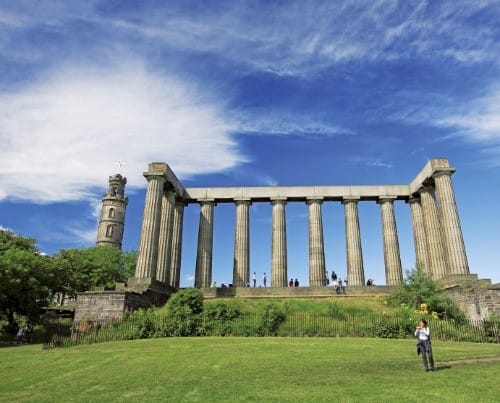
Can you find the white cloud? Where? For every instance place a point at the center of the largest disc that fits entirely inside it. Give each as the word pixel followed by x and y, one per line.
pixel 87 236
pixel 479 121
pixel 287 125
pixel 379 163
pixel 299 39
pixel 64 133
pixel 305 37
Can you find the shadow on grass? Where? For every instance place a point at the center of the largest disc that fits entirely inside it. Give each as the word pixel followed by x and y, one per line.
pixel 442 368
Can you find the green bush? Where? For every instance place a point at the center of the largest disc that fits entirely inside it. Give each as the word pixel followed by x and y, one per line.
pixel 271 318
pixel 190 298
pixel 217 318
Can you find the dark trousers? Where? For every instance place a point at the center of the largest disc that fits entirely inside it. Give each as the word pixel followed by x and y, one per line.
pixel 425 349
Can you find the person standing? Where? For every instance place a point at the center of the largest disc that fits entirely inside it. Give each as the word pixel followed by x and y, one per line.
pixel 424 344
pixel 254 279
pixel 264 279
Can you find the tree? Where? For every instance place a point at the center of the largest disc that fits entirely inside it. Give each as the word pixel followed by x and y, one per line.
pixel 418 289
pixel 79 270
pixel 25 278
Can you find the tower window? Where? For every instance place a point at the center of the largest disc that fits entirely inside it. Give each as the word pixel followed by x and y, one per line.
pixel 110 230
pixel 111 213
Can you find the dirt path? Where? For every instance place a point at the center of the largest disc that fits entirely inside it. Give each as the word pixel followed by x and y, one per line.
pixel 469 361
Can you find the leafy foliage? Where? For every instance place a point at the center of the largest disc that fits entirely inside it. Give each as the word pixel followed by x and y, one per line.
pixel 272 317
pixel 419 290
pixel 190 298
pixel 78 270
pixel 25 278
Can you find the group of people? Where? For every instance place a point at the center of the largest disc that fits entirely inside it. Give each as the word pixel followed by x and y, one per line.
pixel 370 282
pixel 254 280
pixel 292 283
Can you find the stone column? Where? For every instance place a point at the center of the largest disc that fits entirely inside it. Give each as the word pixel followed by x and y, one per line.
pixel 450 223
pixel 279 273
pixel 392 259
pixel 317 265
pixel 147 254
pixel 176 249
pixel 419 238
pixel 354 253
pixel 203 275
pixel 241 267
pixel 435 250
pixel 165 238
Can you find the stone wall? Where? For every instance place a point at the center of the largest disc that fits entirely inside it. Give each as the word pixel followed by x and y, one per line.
pixel 104 306
pixel 477 303
pixel 477 299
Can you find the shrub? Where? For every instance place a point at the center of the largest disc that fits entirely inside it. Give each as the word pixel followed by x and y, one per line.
pixel 418 289
pixel 190 298
pixel 271 318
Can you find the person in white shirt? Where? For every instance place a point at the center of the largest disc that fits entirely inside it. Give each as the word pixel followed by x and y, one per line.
pixel 424 344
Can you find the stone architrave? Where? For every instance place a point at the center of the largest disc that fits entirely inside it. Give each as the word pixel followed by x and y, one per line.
pixel 203 274
pixel 165 238
pixel 450 223
pixel 354 252
pixel 419 238
pixel 435 250
pixel 176 249
pixel 147 255
pixel 317 267
pixel 279 272
pixel 241 267
pixel 392 259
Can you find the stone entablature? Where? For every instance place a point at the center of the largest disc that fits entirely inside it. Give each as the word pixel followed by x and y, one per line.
pixel 297 193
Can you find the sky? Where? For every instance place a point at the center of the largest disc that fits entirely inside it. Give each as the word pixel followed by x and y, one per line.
pixel 248 93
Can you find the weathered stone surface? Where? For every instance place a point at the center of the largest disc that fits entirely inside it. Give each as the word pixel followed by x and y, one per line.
pixel 112 220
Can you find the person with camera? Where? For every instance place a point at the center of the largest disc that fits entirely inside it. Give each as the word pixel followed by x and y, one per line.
pixel 424 344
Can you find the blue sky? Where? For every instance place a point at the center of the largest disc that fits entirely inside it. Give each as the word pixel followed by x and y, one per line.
pixel 248 93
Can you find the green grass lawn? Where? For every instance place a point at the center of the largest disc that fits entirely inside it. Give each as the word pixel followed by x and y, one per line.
pixel 249 369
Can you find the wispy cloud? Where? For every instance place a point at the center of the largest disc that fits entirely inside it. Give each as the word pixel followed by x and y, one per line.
pixel 287 125
pixel 372 162
pixel 479 121
pixel 379 163
pixel 301 38
pixel 79 235
pixel 269 181
pixel 63 134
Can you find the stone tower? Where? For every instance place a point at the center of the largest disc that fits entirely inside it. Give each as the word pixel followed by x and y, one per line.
pixel 112 221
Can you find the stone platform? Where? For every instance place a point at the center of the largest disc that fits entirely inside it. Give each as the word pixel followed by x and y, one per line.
pixel 294 292
pixel 103 306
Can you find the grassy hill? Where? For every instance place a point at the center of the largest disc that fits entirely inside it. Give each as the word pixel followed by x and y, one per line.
pixel 266 369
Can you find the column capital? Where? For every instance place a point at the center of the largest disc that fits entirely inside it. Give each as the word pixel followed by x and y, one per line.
pixel 413 199
pixel 207 201
pixel 154 175
pixel 385 199
pixel 180 201
pixel 350 199
pixel 443 171
pixel 278 200
pixel 242 200
pixel 313 199
pixel 427 189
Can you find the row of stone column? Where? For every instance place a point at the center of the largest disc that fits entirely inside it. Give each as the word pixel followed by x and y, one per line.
pixel 439 243
pixel 160 247
pixel 439 246
pixel 317 265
